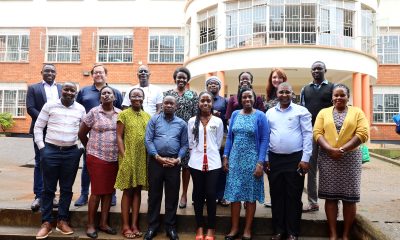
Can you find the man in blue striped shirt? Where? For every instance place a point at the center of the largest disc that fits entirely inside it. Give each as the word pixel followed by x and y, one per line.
pixel 290 148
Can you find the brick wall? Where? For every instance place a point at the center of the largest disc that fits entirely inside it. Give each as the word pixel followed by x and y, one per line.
pixel 388 75
pixel 29 73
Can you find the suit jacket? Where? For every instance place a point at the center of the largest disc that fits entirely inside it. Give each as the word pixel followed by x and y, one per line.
pixel 35 99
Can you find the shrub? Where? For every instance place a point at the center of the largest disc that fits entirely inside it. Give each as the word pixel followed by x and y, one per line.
pixel 6 121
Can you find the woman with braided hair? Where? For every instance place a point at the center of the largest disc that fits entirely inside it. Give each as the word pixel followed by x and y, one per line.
pixel 205 133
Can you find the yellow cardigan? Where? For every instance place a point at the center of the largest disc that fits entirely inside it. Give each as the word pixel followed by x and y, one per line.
pixel 355 123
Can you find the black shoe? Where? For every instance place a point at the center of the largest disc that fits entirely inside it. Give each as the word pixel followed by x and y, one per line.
pixel 291 237
pixel 150 234
pixel 172 234
pixel 35 206
pixel 278 236
pixel 231 237
pixel 92 234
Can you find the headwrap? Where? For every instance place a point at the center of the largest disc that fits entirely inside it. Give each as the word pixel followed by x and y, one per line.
pixel 213 78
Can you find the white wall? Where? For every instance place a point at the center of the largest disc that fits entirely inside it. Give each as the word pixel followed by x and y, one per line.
pixel 388 13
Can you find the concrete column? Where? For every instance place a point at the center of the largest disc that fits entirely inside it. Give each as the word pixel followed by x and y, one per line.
pixel 366 96
pixel 221 76
pixel 357 93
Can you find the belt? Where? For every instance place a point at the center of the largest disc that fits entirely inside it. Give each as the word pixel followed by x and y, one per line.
pixel 62 148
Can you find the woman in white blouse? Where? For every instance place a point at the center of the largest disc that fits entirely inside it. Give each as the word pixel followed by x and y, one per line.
pixel 205 133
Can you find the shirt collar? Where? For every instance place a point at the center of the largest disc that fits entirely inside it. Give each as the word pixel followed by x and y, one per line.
pixel 278 107
pixel 163 116
pixel 45 83
pixel 102 110
pixel 94 87
pixel 325 82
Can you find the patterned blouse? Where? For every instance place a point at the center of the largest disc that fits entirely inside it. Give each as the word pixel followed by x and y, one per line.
pixel 103 134
pixel 187 103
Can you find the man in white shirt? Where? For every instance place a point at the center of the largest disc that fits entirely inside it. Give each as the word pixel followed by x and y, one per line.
pixel 153 96
pixel 59 154
pixel 38 94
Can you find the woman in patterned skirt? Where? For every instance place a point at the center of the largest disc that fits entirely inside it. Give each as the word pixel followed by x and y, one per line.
pixel 101 158
pixel 339 131
pixel 187 108
pixel 132 173
pixel 243 159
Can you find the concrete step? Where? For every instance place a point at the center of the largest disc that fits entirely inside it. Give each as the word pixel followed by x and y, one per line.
pixel 262 225
pixel 25 233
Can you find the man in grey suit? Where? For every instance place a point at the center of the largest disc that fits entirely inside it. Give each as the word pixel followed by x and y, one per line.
pixel 38 94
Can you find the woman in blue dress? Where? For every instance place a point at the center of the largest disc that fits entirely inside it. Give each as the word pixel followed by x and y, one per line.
pixel 244 158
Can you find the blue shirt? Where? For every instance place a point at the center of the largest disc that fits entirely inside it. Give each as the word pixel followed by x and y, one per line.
pixel 290 130
pixel 166 137
pixel 220 104
pixel 89 97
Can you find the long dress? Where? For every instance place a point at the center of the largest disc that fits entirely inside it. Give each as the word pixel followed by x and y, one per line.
pixel 133 165
pixel 340 179
pixel 241 184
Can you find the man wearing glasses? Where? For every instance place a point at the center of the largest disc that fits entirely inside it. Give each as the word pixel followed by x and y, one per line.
pixel 153 96
pixel 89 97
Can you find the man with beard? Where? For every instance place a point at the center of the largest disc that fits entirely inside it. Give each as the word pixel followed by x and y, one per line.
pixel 38 94
pixel 60 156
pixel 315 96
pixel 153 96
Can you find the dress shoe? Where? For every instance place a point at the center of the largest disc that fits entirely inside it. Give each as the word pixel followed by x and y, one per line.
pixel 82 200
pixel 44 231
pixel 113 200
pixel 56 203
pixel 92 234
pixel 292 237
pixel 150 234
pixel 313 207
pixel 278 236
pixel 231 237
pixel 35 206
pixel 62 227
pixel 172 234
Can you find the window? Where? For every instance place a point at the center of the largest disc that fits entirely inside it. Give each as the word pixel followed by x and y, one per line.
pixel 208 31
pixel 166 46
pixel 385 106
pixel 14 48
pixel 388 49
pixel 115 48
pixel 13 101
pixel 63 47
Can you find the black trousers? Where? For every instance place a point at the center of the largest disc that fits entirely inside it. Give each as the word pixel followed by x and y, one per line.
pixel 205 187
pixel 158 177
pixel 286 188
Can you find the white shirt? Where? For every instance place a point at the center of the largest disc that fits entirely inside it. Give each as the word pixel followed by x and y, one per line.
pixel 152 96
pixel 215 134
pixel 62 123
pixel 51 91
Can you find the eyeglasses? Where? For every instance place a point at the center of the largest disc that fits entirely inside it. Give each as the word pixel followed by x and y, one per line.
pixel 98 72
pixel 287 92
pixel 143 71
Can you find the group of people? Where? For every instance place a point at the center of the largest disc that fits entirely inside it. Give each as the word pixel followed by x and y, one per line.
pixel 145 141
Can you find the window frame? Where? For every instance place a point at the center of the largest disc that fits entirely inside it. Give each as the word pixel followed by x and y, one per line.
pixel 20 50
pixel 126 51
pixel 174 54
pixel 73 53
pixel 17 104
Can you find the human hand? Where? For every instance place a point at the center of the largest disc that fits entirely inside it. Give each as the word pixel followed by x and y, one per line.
pixel 267 168
pixel 258 172
pixel 335 153
pixel 304 166
pixel 225 164
pixel 168 162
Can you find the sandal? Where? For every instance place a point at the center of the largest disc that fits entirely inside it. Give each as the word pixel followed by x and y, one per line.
pixel 210 238
pixel 108 230
pixel 127 233
pixel 138 234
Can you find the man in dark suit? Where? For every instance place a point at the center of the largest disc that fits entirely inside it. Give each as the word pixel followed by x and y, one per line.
pixel 38 94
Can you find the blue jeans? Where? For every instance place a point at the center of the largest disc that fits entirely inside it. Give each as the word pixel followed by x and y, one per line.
pixel 85 179
pixel 37 173
pixel 58 165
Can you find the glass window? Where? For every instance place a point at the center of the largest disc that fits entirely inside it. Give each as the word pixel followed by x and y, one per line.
pixel 13 101
pixel 208 31
pixel 115 48
pixel 62 48
pixel 384 107
pixel 14 48
pixel 166 48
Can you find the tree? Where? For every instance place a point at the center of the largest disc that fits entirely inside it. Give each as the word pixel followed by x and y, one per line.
pixel 6 121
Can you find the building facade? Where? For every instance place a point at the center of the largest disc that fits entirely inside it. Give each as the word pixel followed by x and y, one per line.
pixel 211 37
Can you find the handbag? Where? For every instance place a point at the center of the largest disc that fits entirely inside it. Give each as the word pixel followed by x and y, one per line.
pixel 396 119
pixel 365 153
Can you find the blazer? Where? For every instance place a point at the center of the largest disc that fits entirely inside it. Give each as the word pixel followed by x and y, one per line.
pixel 355 124
pixel 261 130
pixel 35 99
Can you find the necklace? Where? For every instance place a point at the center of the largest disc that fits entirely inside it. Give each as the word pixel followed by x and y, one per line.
pixel 205 121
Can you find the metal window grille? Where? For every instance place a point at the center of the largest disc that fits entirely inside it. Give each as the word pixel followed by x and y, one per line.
pixel 384 107
pixel 13 101
pixel 388 49
pixel 63 48
pixel 14 48
pixel 208 31
pixel 166 48
pixel 115 48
